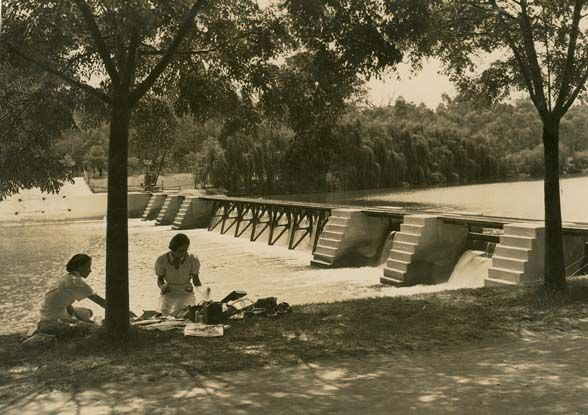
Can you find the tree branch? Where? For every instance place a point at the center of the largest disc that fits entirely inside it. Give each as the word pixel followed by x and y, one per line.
pixel 574 94
pixel 99 41
pixel 132 59
pixel 167 57
pixel 570 58
pixel 187 52
pixel 49 69
pixel 519 59
pixel 531 53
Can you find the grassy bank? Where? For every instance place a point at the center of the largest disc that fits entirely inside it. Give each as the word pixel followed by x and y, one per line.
pixel 172 181
pixel 385 325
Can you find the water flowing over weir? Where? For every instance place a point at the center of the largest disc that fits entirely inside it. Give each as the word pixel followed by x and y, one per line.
pixel 386 248
pixel 424 249
pixel 471 270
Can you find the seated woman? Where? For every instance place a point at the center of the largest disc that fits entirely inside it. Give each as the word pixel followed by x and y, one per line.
pixel 176 271
pixel 57 305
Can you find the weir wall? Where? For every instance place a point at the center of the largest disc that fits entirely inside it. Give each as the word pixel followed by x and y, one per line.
pixel 424 250
pixel 64 207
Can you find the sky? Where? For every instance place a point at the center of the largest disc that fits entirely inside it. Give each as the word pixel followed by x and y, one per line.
pixel 426 86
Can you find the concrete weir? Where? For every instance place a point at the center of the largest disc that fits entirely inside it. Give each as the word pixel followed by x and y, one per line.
pixel 350 238
pixel 423 248
pixel 154 206
pixel 65 207
pixel 169 209
pixel 519 256
pixel 424 251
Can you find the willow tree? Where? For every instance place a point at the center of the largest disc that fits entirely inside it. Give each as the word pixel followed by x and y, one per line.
pixel 341 44
pixel 537 46
pixel 117 52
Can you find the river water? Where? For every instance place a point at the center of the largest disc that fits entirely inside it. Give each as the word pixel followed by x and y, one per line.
pixel 522 199
pixel 34 256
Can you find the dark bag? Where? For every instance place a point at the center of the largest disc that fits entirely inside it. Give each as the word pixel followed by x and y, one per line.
pixel 269 304
pixel 212 313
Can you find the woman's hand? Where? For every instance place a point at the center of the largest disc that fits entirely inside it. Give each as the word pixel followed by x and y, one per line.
pixel 165 289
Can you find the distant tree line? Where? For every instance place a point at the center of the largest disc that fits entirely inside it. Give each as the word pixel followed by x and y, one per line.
pixel 366 147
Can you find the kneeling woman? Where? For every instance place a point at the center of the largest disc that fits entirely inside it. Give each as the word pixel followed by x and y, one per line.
pixel 58 303
pixel 176 270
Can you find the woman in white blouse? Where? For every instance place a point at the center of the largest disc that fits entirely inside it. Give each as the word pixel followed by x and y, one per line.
pixel 57 304
pixel 176 271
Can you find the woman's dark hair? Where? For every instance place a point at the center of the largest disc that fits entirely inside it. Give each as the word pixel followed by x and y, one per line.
pixel 77 261
pixel 178 240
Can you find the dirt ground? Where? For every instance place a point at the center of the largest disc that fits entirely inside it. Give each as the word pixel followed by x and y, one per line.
pixel 533 373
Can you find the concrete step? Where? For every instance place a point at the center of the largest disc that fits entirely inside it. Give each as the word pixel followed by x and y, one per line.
pixel 505 274
pixel 320 264
pixel 400 255
pixel 418 219
pixel 329 242
pixel 412 229
pixel 397 265
pixel 404 246
pixel 329 259
pixel 333 235
pixel 406 237
pixel 491 282
pixel 326 250
pixel 333 227
pixel 517 241
pixel 392 277
pixel 183 209
pixel 337 220
pixel 523 229
pixel 512 252
pixel 509 263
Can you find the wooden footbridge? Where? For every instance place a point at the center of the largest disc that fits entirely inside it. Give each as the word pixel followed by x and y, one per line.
pixel 297 221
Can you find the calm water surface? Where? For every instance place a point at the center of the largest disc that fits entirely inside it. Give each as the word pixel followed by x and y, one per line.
pixel 516 199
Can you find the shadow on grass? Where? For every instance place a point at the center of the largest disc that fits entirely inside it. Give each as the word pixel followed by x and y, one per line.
pixel 529 376
pixel 428 327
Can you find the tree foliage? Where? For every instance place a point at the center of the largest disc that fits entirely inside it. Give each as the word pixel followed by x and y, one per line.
pixel 33 114
pixel 128 46
pixel 538 46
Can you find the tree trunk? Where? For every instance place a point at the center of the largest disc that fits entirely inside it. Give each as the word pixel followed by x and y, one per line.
pixel 160 165
pixel 117 249
pixel 555 277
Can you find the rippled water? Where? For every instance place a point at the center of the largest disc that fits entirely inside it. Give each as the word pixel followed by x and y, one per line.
pixel 34 257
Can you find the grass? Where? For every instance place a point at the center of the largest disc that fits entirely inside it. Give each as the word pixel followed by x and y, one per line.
pixel 385 326
pixel 170 181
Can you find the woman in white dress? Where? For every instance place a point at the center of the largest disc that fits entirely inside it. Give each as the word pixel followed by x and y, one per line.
pixel 176 271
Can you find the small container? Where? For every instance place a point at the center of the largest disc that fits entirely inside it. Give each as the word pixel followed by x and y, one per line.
pixel 213 313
